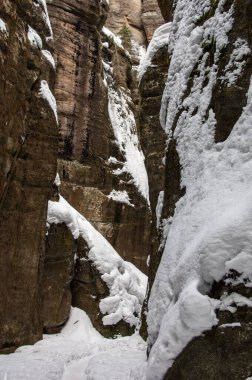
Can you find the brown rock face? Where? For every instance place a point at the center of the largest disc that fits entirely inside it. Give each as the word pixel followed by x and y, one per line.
pixel 87 139
pixel 29 145
pixel 87 142
pixel 166 7
pixel 153 140
pixel 126 13
pixel 79 78
pixel 57 277
pixel 151 17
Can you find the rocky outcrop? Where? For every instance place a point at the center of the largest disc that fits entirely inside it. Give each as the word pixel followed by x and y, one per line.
pixel 29 142
pixel 151 17
pixel 221 353
pixel 88 289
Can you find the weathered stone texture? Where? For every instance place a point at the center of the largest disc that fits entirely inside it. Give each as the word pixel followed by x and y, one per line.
pixel 153 140
pixel 166 7
pixel 126 13
pixel 29 141
pixel 151 17
pixel 58 274
pixel 87 139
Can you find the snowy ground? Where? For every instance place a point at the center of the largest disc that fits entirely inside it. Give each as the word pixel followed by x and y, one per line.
pixel 79 352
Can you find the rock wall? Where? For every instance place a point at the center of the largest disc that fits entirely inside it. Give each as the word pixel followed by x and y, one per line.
pixel 29 142
pixel 59 266
pixel 90 154
pixel 151 17
pixel 213 355
pixel 153 140
pixel 87 139
pixel 166 7
pixel 129 14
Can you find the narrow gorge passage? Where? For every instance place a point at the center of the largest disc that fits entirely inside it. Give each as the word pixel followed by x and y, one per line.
pixel 125 190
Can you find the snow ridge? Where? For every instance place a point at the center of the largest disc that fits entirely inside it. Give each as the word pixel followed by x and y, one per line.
pixel 127 284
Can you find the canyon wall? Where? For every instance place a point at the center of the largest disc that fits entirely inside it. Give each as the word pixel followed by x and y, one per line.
pixel 29 143
pixel 87 140
pixel 99 148
pixel 205 111
pixel 97 143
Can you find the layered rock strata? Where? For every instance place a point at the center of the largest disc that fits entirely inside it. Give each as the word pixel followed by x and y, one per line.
pixel 151 17
pixel 92 69
pixel 87 139
pixel 29 143
pixel 127 14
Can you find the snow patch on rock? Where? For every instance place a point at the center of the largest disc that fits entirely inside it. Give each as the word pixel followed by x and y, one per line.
pixel 237 62
pixel 46 94
pixel 159 39
pixel 3 27
pixel 34 38
pixel 48 56
pixel 120 196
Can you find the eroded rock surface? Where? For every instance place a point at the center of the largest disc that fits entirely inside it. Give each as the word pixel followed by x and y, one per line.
pixel 89 64
pixel 126 14
pixel 29 142
pixel 223 352
pixel 151 17
pixel 58 273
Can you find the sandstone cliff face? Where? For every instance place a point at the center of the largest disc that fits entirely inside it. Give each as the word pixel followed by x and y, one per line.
pixel 151 17
pixel 211 355
pixel 87 138
pixel 28 166
pixel 90 153
pixel 126 13
pixel 58 274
